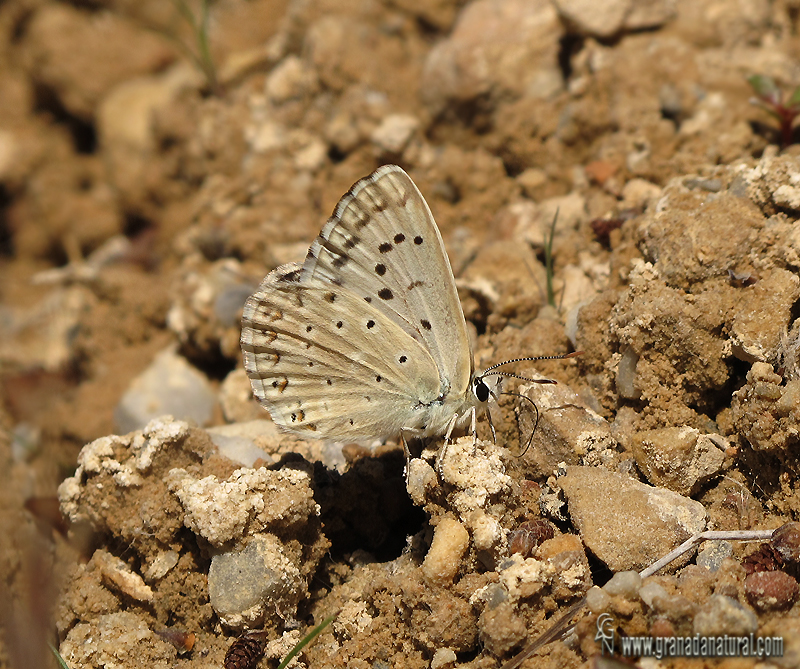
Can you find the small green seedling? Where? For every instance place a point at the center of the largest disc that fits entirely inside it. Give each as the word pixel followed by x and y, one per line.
pixel 307 639
pixel 548 262
pixel 770 97
pixel 60 659
pixel 201 53
pixel 247 651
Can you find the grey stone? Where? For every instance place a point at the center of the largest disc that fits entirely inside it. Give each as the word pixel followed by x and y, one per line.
pixel 713 553
pixel 624 584
pixel 722 615
pixel 169 386
pixel 247 586
pixel 239 441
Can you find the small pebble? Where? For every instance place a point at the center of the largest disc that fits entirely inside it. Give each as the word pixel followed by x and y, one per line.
pixel 649 591
pixel 247 586
pixel 624 584
pixel 170 385
pixel 722 615
pixel 598 600
pixel 713 553
pixel 450 542
pixel 443 657
pixel 770 590
pixel 786 540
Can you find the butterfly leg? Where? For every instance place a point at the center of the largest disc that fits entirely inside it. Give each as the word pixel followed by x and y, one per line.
pixel 443 450
pixel 406 452
pixel 473 428
pixel 491 424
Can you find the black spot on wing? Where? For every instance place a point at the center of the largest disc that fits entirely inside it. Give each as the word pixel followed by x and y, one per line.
pixel 399 237
pixel 418 240
pixel 380 269
pixel 385 294
pixel 425 323
pixel 385 247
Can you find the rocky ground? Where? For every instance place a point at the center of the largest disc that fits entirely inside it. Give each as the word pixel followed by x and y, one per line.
pixel 147 186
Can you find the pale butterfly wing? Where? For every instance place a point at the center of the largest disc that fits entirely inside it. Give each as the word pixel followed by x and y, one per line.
pixel 366 337
pixel 383 244
pixel 342 373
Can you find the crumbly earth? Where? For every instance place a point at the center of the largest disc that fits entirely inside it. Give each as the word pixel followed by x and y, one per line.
pixel 144 194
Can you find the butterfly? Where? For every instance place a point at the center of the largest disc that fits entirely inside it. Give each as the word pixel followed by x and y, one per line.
pixel 366 339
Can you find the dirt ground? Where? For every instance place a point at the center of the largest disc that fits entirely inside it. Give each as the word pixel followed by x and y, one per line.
pixel 146 187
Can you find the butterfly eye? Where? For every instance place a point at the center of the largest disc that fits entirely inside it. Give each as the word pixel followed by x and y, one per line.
pixel 481 390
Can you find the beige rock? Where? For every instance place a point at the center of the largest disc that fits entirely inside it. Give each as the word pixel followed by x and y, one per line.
pixel 678 458
pixel 250 500
pixel 495 48
pixel 81 56
pixel 627 524
pixel 126 127
pixel 118 574
pixel 450 543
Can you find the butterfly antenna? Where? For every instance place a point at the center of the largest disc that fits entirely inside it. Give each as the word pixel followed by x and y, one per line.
pixel 535 423
pixel 532 359
pixel 509 375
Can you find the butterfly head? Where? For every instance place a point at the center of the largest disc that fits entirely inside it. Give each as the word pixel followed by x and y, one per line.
pixel 481 389
pixel 487 384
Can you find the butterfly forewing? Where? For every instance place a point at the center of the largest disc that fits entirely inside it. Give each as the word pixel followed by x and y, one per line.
pixel 325 364
pixel 383 245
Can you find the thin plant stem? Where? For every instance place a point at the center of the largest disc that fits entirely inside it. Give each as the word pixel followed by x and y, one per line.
pixel 548 262
pixel 61 662
pixel 307 639
pixel 202 57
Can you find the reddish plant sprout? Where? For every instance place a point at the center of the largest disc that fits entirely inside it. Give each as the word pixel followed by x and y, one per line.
pixel 182 640
pixel 770 97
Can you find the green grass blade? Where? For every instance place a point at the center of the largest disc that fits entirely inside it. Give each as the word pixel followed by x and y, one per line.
pixel 60 659
pixel 794 100
pixel 307 639
pixel 765 88
pixel 548 262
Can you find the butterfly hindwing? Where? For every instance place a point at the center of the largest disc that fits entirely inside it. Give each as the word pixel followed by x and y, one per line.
pixel 327 364
pixel 383 245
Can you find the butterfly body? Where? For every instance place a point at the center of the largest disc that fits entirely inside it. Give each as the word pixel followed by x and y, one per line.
pixel 366 338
